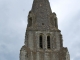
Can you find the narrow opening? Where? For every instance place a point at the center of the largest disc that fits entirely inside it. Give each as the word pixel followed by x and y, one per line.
pixel 26 55
pixel 30 21
pixel 48 42
pixel 55 22
pixel 42 23
pixel 40 41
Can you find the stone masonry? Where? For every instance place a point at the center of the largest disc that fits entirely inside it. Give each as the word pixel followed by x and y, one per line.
pixel 43 39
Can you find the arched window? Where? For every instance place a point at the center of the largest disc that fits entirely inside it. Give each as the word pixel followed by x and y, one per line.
pixel 48 42
pixel 40 41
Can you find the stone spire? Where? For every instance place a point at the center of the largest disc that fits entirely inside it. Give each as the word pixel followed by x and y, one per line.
pixel 41 17
pixel 43 39
pixel 41 6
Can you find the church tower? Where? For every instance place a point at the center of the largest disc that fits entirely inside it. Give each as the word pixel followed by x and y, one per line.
pixel 43 39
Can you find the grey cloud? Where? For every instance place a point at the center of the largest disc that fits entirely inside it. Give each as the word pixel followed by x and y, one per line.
pixel 77 58
pixel 12 18
pixel 13 23
pixel 71 35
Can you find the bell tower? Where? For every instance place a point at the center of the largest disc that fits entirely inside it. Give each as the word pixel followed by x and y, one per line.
pixel 43 39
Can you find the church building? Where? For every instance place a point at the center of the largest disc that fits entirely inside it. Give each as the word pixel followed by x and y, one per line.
pixel 43 39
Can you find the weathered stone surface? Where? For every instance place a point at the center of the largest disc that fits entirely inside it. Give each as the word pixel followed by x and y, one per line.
pixel 41 21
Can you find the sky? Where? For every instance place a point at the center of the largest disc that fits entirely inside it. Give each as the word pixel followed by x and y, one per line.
pixel 13 23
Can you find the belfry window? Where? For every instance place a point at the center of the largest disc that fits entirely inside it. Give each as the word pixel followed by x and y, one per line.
pixel 40 41
pixel 48 42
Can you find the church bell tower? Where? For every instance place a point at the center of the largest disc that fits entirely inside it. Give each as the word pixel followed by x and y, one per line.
pixel 43 39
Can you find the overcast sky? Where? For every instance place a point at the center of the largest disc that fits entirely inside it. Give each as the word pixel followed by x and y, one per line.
pixel 13 23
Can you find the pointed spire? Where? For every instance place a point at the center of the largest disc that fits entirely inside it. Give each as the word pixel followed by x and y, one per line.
pixel 41 6
pixel 41 17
